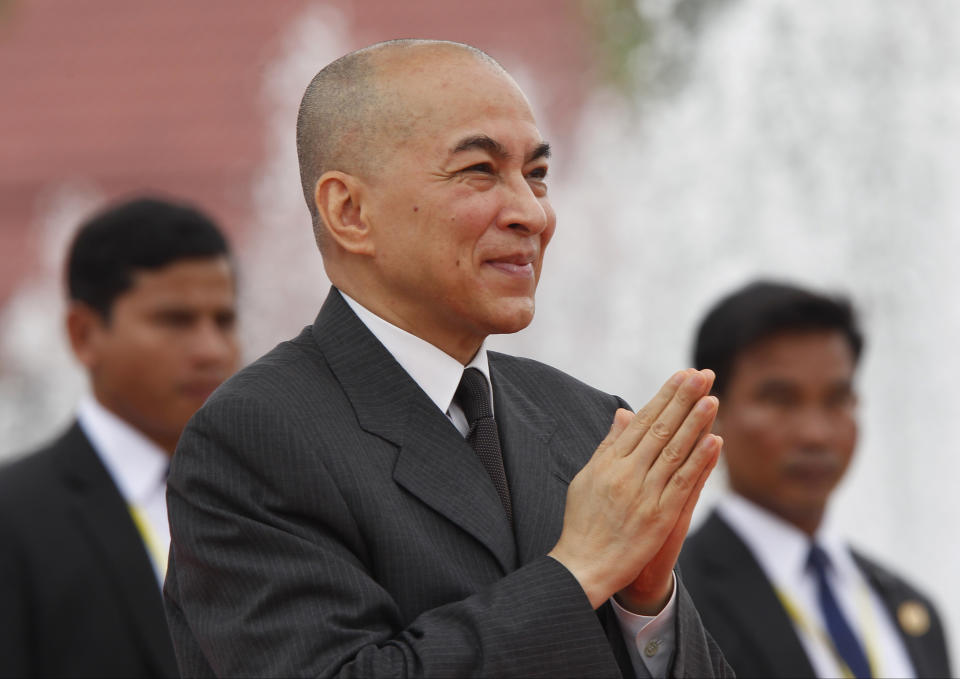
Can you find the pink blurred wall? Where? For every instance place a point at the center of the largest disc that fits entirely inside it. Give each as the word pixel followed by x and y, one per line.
pixel 167 96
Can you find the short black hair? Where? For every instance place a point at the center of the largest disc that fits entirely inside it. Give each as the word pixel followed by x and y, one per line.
pixel 141 234
pixel 760 310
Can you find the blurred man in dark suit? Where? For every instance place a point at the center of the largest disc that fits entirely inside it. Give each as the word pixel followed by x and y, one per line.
pixel 83 525
pixel 783 594
pixel 382 496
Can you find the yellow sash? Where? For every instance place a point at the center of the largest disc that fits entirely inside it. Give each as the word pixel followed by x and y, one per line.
pixel 157 554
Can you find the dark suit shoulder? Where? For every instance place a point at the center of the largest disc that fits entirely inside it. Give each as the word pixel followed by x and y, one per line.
pixel 548 382
pixel 23 472
pixel 288 365
pixel 39 491
pixel 29 480
pixel 914 615
pixel 881 576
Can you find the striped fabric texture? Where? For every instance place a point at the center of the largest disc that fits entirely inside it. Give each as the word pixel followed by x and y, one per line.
pixel 328 520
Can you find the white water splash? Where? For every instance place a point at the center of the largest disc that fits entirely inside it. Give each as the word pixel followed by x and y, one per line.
pixel 817 142
pixel 40 382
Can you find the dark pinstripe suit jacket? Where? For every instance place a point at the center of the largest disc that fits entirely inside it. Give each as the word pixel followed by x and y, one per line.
pixel 741 608
pixel 328 519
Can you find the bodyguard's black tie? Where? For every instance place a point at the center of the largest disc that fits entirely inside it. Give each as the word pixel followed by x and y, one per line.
pixel 473 395
pixel 844 639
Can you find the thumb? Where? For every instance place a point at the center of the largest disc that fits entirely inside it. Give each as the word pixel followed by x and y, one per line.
pixel 621 419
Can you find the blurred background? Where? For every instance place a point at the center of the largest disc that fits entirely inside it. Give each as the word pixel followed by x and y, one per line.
pixel 698 144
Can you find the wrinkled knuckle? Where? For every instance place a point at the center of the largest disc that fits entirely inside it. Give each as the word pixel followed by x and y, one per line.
pixel 616 488
pixel 672 454
pixel 661 430
pixel 682 481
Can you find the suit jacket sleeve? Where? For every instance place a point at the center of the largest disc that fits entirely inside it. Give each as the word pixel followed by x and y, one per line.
pixel 257 588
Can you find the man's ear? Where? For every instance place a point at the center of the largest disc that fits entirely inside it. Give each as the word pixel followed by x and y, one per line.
pixel 339 200
pixel 85 328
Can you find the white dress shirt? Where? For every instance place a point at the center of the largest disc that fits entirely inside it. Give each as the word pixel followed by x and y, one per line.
pixel 782 550
pixel 138 467
pixel 649 639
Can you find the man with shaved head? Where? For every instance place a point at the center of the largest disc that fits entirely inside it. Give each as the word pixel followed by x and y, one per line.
pixel 382 495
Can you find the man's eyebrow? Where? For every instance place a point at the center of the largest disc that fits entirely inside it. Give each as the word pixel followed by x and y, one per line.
pixel 495 148
pixel 484 143
pixel 541 151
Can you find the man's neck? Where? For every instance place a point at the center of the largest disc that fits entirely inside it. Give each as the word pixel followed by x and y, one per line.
pixel 462 347
pixel 434 370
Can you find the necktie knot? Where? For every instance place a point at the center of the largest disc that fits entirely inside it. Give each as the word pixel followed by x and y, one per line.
pixel 818 560
pixel 473 395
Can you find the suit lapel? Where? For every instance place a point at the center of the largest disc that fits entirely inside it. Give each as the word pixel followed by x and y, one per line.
pixel 537 487
pixel 434 463
pixel 103 515
pixel 751 600
pixel 894 595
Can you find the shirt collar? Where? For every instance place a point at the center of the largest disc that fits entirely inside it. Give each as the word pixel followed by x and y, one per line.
pixel 779 546
pixel 435 371
pixel 137 465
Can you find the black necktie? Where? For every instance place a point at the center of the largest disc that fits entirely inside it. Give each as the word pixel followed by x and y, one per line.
pixel 844 639
pixel 473 395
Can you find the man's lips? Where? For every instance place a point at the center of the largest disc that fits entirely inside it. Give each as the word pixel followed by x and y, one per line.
pixel 514 265
pixel 814 470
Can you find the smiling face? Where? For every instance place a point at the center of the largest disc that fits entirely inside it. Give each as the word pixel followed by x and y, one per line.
pixel 456 203
pixel 787 418
pixel 169 342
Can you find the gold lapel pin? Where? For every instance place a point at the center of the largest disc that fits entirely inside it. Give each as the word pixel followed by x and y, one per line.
pixel 914 618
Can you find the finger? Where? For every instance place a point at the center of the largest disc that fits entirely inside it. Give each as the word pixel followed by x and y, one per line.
pixel 684 486
pixel 673 543
pixel 647 415
pixel 710 376
pixel 691 433
pixel 686 514
pixel 666 425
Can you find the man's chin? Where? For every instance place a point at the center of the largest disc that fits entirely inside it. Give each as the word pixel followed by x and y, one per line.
pixel 513 317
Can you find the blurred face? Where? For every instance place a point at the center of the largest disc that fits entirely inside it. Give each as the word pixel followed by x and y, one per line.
pixel 787 418
pixel 458 205
pixel 169 343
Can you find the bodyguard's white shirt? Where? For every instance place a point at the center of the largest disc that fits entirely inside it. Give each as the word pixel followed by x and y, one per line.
pixel 138 467
pixel 650 639
pixel 782 550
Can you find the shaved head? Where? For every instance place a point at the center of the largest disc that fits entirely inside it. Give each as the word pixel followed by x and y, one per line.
pixel 349 113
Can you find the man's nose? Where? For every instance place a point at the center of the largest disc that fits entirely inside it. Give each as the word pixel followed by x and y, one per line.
pixel 815 426
pixel 523 209
pixel 211 344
